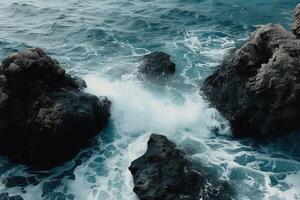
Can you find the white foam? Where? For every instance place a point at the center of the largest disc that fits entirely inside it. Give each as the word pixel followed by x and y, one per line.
pixel 293 192
pixel 136 110
pixel 136 113
pixel 209 49
pixel 213 47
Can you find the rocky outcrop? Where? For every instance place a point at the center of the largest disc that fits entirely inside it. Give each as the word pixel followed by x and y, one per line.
pixel 164 172
pixel 156 64
pixel 258 86
pixel 45 117
pixel 296 24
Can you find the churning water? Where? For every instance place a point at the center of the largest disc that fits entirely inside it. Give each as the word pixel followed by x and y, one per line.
pixel 102 41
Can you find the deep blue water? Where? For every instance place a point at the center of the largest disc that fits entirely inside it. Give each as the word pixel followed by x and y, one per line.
pixel 102 41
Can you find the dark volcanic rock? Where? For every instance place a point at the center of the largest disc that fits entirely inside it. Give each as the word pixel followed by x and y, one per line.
pixel 296 24
pixel 258 86
pixel 156 64
pixel 45 117
pixel 163 173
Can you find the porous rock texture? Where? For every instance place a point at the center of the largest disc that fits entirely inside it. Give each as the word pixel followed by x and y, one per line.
pixel 257 88
pixel 164 173
pixel 296 24
pixel 45 116
pixel 156 64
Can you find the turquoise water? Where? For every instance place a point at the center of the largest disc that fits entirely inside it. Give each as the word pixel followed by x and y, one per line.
pixel 102 41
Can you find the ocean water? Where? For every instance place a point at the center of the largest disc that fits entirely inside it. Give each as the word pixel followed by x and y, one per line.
pixel 102 41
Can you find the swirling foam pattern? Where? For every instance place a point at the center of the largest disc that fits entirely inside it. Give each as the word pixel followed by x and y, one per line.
pixel 102 41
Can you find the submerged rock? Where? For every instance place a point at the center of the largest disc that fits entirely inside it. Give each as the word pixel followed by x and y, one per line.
pixel 45 117
pixel 258 86
pixel 19 181
pixel 156 64
pixel 5 196
pixel 164 172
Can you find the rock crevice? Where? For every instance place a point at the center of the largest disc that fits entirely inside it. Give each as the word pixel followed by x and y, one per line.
pixel 257 86
pixel 45 116
pixel 164 172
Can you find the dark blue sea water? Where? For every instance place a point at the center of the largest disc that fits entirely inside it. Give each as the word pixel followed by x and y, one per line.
pixel 102 41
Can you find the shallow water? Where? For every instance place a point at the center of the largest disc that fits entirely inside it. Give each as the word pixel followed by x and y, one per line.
pixel 103 41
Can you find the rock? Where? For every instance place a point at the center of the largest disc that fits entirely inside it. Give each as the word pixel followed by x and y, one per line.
pixel 296 24
pixel 257 86
pixel 164 172
pixel 45 117
pixel 156 64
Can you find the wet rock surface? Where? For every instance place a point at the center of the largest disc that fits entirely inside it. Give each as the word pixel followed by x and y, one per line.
pixel 257 88
pixel 296 24
pixel 156 64
pixel 164 172
pixel 45 116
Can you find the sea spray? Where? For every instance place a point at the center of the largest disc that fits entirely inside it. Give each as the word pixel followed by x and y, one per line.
pixel 102 41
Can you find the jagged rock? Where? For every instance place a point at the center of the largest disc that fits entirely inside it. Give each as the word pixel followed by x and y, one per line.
pixel 257 88
pixel 45 117
pixel 164 173
pixel 156 64
pixel 296 24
